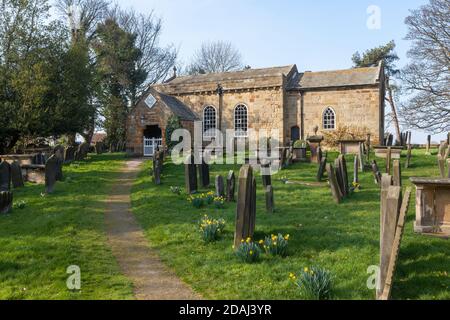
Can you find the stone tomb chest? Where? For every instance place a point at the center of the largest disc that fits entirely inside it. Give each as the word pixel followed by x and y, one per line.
pixel 432 206
pixel 381 152
pixel 350 146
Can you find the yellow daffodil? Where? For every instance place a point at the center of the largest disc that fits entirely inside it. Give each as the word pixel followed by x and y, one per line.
pixel 306 269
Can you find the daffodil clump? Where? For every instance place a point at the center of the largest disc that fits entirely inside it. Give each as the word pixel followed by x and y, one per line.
pixel 356 187
pixel 211 228
pixel 209 197
pixel 197 200
pixel 314 283
pixel 276 245
pixel 248 251
pixel 219 202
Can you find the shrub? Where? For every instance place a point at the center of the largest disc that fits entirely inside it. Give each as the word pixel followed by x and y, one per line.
pixel 211 228
pixel 248 251
pixel 314 284
pixel 276 245
pixel 345 133
pixel 219 202
pixel 300 144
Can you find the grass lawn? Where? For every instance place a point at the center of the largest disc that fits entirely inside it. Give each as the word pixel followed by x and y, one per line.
pixel 66 228
pixel 341 238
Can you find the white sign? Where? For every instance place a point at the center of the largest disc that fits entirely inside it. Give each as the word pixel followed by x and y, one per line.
pixel 150 101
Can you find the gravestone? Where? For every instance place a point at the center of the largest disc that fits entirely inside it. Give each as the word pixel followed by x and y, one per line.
pixel 355 169
pixel 387 286
pixel 59 172
pixel 203 172
pixel 389 226
pixel 269 199
pixel 368 143
pixel 5 176
pixel 428 152
pixel 220 188
pixel 388 160
pixel 408 156
pixel 443 148
pixel 99 147
pixel 69 153
pixel 335 189
pixel 397 173
pixel 51 172
pixel 265 174
pixel 361 157
pixel 156 169
pixel 6 201
pixel 231 186
pixel 190 175
pixel 322 168
pixel 447 153
pixel 386 182
pixel 441 165
pixel 246 206
pixel 339 177
pixel 283 157
pixel 16 175
pixel 343 174
pixel 376 173
pixel 58 151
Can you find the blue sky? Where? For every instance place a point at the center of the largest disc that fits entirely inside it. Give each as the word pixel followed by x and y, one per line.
pixel 315 35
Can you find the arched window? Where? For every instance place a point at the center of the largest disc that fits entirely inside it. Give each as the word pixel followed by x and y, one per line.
pixel 209 120
pixel 240 121
pixel 329 119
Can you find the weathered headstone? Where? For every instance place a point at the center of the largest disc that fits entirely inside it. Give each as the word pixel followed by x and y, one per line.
pixel 387 286
pixel 339 178
pixel 245 217
pixel 386 182
pixel 355 169
pixel 428 152
pixel 69 154
pixel 376 172
pixel 156 169
pixel 441 165
pixel 283 157
pixel 5 176
pixel 16 175
pixel 368 144
pixel 344 174
pixel 388 160
pixel 231 186
pixel 361 157
pixel 397 173
pixel 220 188
pixel 335 189
pixel 203 172
pixel 443 148
pixel 269 199
pixel 190 175
pixel 265 174
pixel 51 172
pixel 322 168
pixel 6 201
pixel 393 203
pixel 408 156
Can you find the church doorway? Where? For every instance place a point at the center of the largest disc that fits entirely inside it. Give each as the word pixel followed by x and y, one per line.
pixel 152 140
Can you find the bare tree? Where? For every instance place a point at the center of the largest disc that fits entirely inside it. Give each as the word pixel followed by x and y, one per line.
pixel 156 60
pixel 215 57
pixel 427 77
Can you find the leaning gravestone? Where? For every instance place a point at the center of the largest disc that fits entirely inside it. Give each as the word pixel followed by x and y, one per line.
pixel 335 189
pixel 6 201
pixel 355 169
pixel 220 188
pixel 51 172
pixel 5 176
pixel 16 175
pixel 246 206
pixel 269 199
pixel 322 168
pixel 339 178
pixel 231 186
pixel 343 174
pixel 376 173
pixel 190 175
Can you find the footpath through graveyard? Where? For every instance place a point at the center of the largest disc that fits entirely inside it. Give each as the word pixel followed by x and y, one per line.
pixel 141 264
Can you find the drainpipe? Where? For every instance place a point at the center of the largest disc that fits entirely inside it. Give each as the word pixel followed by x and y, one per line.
pixel 219 92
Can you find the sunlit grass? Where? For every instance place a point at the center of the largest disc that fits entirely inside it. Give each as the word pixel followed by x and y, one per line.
pixel 343 239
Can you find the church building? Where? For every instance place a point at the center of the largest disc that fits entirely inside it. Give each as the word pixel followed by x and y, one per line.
pixel 272 98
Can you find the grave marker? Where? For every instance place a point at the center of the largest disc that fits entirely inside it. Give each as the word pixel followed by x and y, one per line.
pixel 355 169
pixel 408 156
pixel 397 173
pixel 344 174
pixel 441 165
pixel 335 190
pixel 5 176
pixel 190 175
pixel 376 173
pixel 16 175
pixel 231 186
pixel 51 172
pixel 6 201
pixel 269 199
pixel 245 208
pixel 322 168
pixel 203 172
pixel 220 189
pixel 428 152
pixel 388 160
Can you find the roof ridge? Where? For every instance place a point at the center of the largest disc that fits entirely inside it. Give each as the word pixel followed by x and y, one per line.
pixel 340 70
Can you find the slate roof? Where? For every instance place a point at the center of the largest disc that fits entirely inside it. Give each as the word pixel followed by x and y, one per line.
pixel 176 106
pixel 336 78
pixel 233 76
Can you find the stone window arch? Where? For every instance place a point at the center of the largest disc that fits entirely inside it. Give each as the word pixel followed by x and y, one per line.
pixel 240 120
pixel 329 119
pixel 209 121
